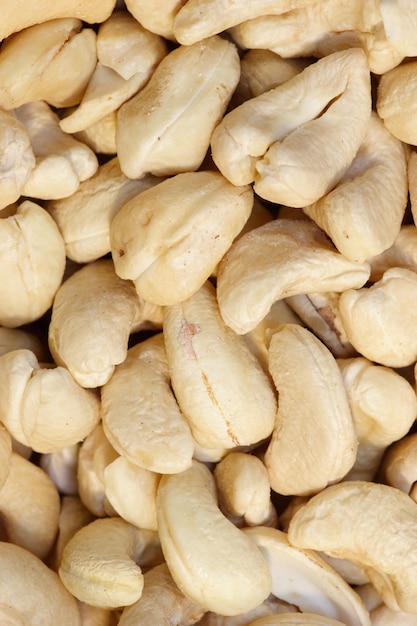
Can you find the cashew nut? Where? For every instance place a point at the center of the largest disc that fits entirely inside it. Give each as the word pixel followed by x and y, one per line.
pixel 5 454
pixel 399 466
pixel 62 468
pixel 17 339
pixel 101 136
pixel 157 16
pixel 395 102
pixel 17 159
pixel 73 516
pixel 296 619
pixel 402 253
pixel 400 23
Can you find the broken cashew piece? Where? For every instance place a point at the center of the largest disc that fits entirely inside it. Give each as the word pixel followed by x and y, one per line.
pixel 357 520
pixel 395 102
pixel 213 563
pixel 155 15
pixel 17 158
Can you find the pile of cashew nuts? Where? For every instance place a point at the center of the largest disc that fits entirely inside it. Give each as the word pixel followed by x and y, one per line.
pixel 208 313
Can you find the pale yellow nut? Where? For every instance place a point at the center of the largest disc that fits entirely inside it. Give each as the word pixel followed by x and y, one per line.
pixel 399 465
pixel 190 89
pixel 362 215
pixel 51 61
pixel 32 264
pixel 100 564
pixel 84 218
pixel 157 16
pixel 213 563
pixel 101 136
pixel 402 253
pixel 283 140
pixel 384 408
pixel 380 320
pixel 141 418
pixel 45 601
pixel 400 23
pixel 395 102
pixel 372 524
pixel 283 258
pixel 83 334
pixel 161 603
pixel 29 507
pixel 382 56
pixel 95 616
pixel 313 443
pixel 17 160
pixel 220 386
pixel 170 238
pixel 291 619
pixel 73 516
pixel 270 606
pixel 19 15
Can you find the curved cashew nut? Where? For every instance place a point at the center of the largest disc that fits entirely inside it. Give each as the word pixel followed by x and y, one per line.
pixel 101 136
pixel 101 563
pixel 170 238
pixel 399 466
pixel 395 101
pixel 213 563
pixel 306 454
pixel 282 258
pixel 220 386
pixel 140 415
pixel 400 23
pixel 45 601
pixel 281 140
pixel 358 520
pixel 17 158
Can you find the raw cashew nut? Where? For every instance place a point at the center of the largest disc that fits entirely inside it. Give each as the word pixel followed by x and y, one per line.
pixel 296 619
pixel 157 16
pixel 400 23
pixel 371 524
pixel 101 136
pixel 399 465
pixel 313 443
pixel 16 158
pixel 395 102
pixel 283 141
pixel 213 563
pixel 283 258
pixel 402 253
pixel 101 563
pixel 62 468
pixel 72 517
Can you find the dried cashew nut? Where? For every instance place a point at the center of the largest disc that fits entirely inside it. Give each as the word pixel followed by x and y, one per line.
pixel 157 16
pixel 17 159
pixel 400 23
pixel 399 465
pixel 395 102
pixel 161 603
pixel 402 253
pixel 32 264
pixel 313 443
pixel 281 140
pixel 371 524
pixel 101 136
pixel 282 258
pixel 170 238
pixel 73 516
pixel 221 388
pixel 101 563
pixel 296 619
pixel 190 89
pixel 140 415
pixel 213 563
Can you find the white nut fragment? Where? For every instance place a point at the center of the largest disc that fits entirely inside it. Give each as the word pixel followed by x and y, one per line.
pixel 282 140
pixel 51 61
pixel 381 320
pixel 170 238
pixel 161 603
pixel 220 386
pixel 371 524
pixel 400 23
pixel 384 408
pixel 190 89
pixel 395 101
pixel 213 563
pixel 313 443
pixel 31 266
pixel 141 418
pixel 100 563
pixel 285 257
pixel 16 158
pixel 101 136
pixel 44 602
pixel 83 334
pixel 362 215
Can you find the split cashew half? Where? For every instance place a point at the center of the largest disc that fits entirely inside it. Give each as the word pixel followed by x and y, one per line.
pixel 17 160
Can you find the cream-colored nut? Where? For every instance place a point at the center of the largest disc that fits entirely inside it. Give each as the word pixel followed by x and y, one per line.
pixel 161 603
pixel 213 563
pixel 395 101
pixel 84 218
pixel 190 89
pixel 320 313
pixel 95 616
pixel 32 594
pixel 384 408
pixel 170 238
pixel 17 339
pixel 291 619
pixel 306 454
pixel 5 454
pixel 101 563
pixel 29 507
pixel 382 56
pixel 62 468
pixel 412 183
pixel 244 491
pixel 51 61
pixel 46 409
pixel 220 386
pixel 371 524
pixel 381 320
pixel 32 264
pixel 271 606
pixel 208 455
pixel 350 572
pixel 17 159
pixel 400 23
pixel 362 215
pixel 20 15
pixel 93 314
pixel 399 465
pixel 141 418
pixel 197 20
pixel 302 578
pixel 402 253
pixel 282 140
pixel 283 258
pixel 131 491
pixel 95 454
pixel 73 516
pixel 101 136
pixel 157 16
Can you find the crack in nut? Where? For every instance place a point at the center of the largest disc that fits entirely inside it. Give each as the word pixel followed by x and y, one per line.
pixel 187 333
